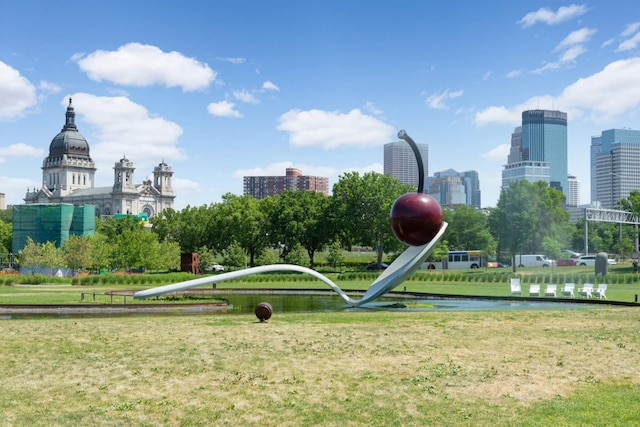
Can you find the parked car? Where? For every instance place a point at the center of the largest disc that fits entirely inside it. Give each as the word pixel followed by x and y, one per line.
pixel 534 260
pixel 566 262
pixel 590 260
pixel 215 267
pixel 375 266
pixel 570 253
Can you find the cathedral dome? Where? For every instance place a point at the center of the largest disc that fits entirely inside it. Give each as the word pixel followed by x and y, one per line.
pixel 69 141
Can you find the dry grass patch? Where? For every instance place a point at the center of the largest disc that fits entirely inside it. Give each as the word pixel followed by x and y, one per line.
pixel 346 368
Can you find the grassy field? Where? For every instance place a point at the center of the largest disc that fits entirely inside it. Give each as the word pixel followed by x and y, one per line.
pixel 525 368
pixel 560 367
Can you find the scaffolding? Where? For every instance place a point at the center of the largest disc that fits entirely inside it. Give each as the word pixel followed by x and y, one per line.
pixel 50 222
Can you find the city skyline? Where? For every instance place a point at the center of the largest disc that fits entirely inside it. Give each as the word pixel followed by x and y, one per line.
pixel 226 90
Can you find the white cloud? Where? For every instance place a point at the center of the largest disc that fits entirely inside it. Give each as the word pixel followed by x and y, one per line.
pixel 48 87
pixel 497 115
pixel 631 29
pixel 236 61
pixel 16 188
pixel 246 97
pixel 513 74
pixel 120 127
pixel 570 48
pixel 223 109
pixel 329 129
pixel 544 15
pixel 371 108
pixel 135 64
pixel 269 86
pixel 17 94
pixel 20 150
pixel 630 43
pixel 607 94
pixel 611 92
pixel 497 154
pixel 577 37
pixel 438 101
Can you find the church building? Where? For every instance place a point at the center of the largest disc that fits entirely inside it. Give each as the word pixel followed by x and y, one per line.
pixel 68 176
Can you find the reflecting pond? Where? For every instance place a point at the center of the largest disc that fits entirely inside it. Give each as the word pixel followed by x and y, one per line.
pixel 244 302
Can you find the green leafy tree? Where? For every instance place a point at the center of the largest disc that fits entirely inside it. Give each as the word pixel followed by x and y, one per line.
pixel 52 257
pixel 234 256
pixel 267 257
pixel 101 252
pixel 296 255
pixel 335 257
pixel 468 230
pixel 240 219
pixel 301 217
pixel 31 255
pixel 6 233
pixel 189 228
pixel 363 204
pixel 77 252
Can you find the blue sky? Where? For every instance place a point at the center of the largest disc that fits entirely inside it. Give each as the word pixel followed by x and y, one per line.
pixel 224 89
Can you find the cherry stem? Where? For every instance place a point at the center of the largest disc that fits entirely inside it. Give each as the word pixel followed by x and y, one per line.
pixel 403 135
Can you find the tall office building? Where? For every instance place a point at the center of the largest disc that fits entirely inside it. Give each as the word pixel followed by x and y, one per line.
pixel 615 166
pixel 400 161
pixel 574 191
pixel 539 150
pixel 264 186
pixel 450 187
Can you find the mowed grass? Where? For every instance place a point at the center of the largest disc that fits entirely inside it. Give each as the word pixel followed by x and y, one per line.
pixel 350 368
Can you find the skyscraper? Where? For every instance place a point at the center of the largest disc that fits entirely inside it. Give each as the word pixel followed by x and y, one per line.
pixel 450 187
pixel 615 166
pixel 542 151
pixel 574 191
pixel 400 161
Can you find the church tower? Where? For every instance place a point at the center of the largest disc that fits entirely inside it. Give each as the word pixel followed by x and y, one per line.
pixel 123 177
pixel 162 175
pixel 68 167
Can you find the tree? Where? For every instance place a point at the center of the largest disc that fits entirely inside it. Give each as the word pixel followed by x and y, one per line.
pixel 468 230
pixel 336 255
pixel 6 233
pixel 77 252
pixel 301 217
pixel 235 256
pixel 31 255
pixel 363 204
pixel 527 213
pixel 101 251
pixel 243 221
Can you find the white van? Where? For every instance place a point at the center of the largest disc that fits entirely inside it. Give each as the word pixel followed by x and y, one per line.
pixel 534 260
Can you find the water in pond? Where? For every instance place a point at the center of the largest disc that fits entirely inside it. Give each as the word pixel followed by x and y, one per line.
pixel 292 302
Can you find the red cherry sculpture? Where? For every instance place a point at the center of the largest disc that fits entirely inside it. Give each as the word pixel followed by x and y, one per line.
pixel 416 218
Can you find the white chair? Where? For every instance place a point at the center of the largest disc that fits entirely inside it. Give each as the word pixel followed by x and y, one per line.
pixel 550 291
pixel 567 291
pixel 534 290
pixel 586 290
pixel 600 292
pixel 515 287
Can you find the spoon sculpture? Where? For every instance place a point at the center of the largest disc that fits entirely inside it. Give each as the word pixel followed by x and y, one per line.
pixel 416 219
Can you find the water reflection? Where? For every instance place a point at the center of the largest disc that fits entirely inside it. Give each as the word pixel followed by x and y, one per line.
pixel 244 302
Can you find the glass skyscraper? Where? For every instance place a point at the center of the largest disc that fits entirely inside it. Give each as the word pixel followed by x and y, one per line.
pixel 539 150
pixel 615 166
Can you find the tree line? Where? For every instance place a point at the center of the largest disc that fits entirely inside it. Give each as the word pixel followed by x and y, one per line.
pixel 293 227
